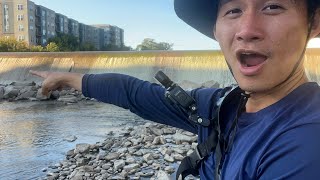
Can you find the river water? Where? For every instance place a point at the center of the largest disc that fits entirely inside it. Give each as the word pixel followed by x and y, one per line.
pixel 32 133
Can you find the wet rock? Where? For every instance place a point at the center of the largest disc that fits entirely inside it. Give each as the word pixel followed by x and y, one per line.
pixel 68 99
pixel 26 95
pixel 25 83
pixel 10 92
pixel 70 138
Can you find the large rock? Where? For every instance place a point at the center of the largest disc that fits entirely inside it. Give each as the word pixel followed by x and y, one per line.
pixel 118 164
pixel 162 175
pixel 184 138
pixel 10 92
pixel 82 148
pixel 26 95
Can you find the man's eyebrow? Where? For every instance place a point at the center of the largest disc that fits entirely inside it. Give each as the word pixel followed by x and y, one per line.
pixel 223 2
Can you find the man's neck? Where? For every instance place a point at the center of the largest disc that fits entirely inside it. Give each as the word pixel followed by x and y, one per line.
pixel 261 100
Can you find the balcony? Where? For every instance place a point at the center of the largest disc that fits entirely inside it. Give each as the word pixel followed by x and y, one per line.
pixel 38 22
pixel 38 33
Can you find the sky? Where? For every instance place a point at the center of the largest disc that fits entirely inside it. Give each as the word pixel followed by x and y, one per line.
pixel 139 19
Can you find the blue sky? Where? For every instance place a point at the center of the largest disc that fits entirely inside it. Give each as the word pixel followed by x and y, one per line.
pixel 139 18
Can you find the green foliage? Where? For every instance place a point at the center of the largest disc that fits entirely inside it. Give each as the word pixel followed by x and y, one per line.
pixel 36 48
pixel 12 45
pixel 151 44
pixel 66 42
pixel 52 47
pixel 87 47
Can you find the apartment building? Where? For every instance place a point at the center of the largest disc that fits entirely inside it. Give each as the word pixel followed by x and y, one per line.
pixel 45 25
pixel 18 20
pixel 73 27
pixel 112 35
pixel 36 24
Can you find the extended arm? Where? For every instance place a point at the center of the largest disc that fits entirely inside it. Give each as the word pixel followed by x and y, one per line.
pixel 141 97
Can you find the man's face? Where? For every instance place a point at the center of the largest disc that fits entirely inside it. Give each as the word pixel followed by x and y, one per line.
pixel 262 40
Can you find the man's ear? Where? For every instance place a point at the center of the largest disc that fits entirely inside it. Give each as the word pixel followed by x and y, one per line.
pixel 315 29
pixel 215 34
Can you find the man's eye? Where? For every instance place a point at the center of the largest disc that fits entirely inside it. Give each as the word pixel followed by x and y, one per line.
pixel 272 7
pixel 233 12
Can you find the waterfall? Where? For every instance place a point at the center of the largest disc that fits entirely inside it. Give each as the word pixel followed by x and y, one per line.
pixel 194 66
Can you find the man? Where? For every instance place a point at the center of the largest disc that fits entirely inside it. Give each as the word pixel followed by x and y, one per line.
pixel 276 134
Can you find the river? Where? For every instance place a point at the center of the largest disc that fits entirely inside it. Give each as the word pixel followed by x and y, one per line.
pixel 32 133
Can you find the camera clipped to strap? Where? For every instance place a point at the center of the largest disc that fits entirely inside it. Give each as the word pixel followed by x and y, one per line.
pixel 176 95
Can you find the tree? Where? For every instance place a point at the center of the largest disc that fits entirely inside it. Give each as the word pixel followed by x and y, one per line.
pixel 12 45
pixel 52 47
pixel 87 47
pixel 151 44
pixel 36 48
pixel 66 42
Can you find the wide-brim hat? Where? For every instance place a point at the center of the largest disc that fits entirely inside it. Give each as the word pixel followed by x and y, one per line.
pixel 202 14
pixel 199 14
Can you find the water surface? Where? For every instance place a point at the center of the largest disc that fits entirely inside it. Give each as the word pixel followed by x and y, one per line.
pixel 32 133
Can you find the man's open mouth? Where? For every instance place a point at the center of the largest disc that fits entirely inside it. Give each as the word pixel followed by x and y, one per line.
pixel 251 59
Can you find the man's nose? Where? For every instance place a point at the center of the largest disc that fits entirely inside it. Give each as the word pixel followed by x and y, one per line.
pixel 250 28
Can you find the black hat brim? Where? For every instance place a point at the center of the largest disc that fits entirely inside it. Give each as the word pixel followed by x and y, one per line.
pixel 199 14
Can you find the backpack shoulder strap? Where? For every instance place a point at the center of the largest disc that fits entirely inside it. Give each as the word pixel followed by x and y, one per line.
pixel 190 164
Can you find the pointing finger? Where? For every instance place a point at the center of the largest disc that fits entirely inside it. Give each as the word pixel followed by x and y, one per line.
pixel 42 74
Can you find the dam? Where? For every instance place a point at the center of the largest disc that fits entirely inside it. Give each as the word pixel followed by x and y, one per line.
pixel 194 66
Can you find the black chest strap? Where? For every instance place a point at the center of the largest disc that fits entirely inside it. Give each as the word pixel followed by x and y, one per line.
pixel 190 164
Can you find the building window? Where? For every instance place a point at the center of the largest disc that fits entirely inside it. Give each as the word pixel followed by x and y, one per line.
pixel 20 28
pixel 31 28
pixel 21 38
pixel 20 17
pixel 44 32
pixel 20 7
pixel 6 28
pixel 44 41
pixel 43 13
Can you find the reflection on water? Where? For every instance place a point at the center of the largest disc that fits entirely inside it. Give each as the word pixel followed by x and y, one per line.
pixel 32 133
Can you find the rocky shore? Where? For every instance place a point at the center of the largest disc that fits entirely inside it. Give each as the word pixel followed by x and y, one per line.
pixel 30 91
pixel 149 151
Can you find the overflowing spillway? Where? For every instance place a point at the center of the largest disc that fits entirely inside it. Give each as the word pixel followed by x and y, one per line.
pixel 193 66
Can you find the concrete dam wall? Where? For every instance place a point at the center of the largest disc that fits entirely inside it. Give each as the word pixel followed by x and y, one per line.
pixel 194 66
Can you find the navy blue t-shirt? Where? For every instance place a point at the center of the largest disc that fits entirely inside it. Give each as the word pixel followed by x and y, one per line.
pixel 277 142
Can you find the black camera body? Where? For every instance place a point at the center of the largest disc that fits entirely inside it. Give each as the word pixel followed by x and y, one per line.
pixel 175 94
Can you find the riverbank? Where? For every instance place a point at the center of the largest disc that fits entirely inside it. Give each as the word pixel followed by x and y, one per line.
pixel 149 151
